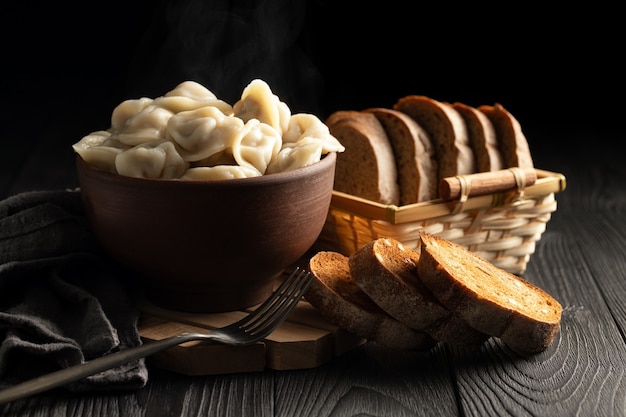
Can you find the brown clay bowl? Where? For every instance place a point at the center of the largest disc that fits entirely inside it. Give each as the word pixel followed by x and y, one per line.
pixel 208 246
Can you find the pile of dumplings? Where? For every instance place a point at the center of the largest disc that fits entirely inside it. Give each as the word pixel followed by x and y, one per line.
pixel 190 134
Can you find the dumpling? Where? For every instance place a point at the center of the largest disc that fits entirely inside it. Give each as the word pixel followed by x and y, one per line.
pixel 127 109
pixel 203 132
pixel 179 104
pixel 258 102
pixel 95 150
pixel 192 90
pixel 190 95
pixel 304 125
pixel 304 143
pixel 219 172
pixel 93 139
pixel 305 152
pixel 151 160
pixel 256 145
pixel 148 125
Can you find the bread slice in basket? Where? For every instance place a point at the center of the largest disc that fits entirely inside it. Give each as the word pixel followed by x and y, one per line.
pixel 414 153
pixel 367 168
pixel 386 271
pixel 491 300
pixel 342 302
pixel 511 139
pixel 482 137
pixel 447 130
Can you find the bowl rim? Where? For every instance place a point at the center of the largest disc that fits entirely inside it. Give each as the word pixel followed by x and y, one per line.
pixel 278 177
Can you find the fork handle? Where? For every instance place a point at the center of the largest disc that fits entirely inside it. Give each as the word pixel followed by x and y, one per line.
pixel 83 370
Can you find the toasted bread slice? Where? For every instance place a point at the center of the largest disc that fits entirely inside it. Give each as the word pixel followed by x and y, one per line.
pixel 342 302
pixel 511 139
pixel 386 271
pixel 447 130
pixel 482 138
pixel 367 167
pixel 414 153
pixel 491 300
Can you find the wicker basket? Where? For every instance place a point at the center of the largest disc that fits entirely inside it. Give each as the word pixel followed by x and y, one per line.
pixel 502 227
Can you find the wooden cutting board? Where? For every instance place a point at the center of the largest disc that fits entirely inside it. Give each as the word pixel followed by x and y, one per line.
pixel 305 340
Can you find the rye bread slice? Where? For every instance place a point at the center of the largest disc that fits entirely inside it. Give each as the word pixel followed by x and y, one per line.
pixel 367 167
pixel 386 270
pixel 414 154
pixel 482 138
pixel 342 302
pixel 511 139
pixel 446 129
pixel 493 301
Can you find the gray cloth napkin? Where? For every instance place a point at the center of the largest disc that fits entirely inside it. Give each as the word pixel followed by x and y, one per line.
pixel 62 301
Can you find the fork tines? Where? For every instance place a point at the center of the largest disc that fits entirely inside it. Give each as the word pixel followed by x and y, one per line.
pixel 269 315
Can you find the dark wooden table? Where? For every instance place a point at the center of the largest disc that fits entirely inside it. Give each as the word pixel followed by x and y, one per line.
pixel 581 260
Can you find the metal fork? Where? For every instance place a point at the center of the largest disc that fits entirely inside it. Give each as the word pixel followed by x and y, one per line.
pixel 254 327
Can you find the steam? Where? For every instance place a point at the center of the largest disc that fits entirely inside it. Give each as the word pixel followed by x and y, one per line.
pixel 224 44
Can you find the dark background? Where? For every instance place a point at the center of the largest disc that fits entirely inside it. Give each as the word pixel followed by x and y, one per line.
pixel 65 67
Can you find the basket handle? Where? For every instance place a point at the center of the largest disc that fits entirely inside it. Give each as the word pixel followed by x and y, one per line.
pixel 461 187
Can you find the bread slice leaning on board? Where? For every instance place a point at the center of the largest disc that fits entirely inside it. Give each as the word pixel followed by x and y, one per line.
pixel 442 288
pixel 400 161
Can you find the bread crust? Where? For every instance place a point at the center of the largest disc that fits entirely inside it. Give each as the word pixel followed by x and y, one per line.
pixel 334 293
pixel 367 167
pixel 414 154
pixel 447 130
pixel 386 271
pixel 491 300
